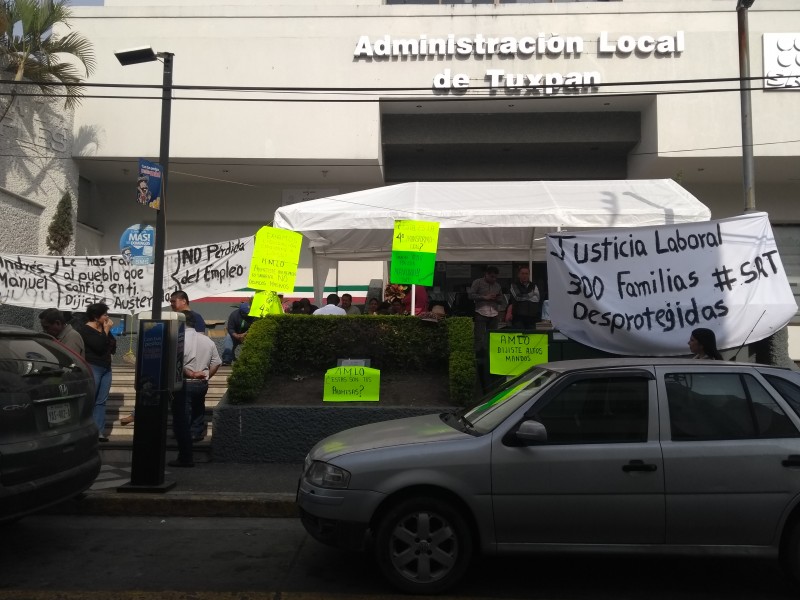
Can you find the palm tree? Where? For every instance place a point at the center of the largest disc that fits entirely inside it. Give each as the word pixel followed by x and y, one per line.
pixel 31 50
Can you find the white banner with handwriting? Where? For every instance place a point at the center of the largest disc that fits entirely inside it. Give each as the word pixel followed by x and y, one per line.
pixel 641 291
pixel 71 283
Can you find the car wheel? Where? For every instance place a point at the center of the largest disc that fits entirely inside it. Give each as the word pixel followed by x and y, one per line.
pixel 423 545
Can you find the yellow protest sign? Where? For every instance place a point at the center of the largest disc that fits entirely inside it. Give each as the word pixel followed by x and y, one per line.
pixel 513 353
pixel 275 257
pixel 415 236
pixel 414 252
pixel 265 303
pixel 352 384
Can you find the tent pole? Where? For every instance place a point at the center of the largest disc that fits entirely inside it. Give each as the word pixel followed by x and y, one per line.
pixel 413 299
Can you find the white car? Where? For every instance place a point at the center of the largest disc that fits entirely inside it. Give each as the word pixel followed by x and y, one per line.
pixel 606 455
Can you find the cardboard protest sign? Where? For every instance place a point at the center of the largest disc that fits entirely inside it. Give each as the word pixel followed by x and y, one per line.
pixel 512 353
pixel 352 384
pixel 275 258
pixel 414 252
pixel 641 291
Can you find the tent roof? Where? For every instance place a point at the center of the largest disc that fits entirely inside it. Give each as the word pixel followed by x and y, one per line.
pixel 484 220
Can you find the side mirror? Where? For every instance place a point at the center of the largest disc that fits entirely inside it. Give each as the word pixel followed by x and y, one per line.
pixel 532 432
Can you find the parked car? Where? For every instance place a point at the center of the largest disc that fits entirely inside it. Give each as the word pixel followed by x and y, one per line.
pixel 606 455
pixel 48 440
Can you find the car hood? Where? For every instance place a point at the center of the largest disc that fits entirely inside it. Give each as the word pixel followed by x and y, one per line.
pixel 399 432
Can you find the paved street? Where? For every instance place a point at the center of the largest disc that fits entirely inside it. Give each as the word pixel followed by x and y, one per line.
pixel 144 558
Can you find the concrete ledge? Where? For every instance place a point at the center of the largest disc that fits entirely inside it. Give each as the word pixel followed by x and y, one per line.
pixel 180 504
pixel 284 434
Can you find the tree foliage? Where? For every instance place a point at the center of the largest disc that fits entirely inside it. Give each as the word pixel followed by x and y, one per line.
pixel 59 234
pixel 30 49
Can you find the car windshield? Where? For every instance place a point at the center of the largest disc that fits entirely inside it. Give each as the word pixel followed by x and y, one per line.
pixel 499 404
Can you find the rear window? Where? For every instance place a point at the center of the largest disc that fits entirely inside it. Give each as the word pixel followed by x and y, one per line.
pixel 27 362
pixel 788 391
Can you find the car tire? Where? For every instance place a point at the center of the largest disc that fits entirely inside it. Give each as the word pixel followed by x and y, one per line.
pixel 423 545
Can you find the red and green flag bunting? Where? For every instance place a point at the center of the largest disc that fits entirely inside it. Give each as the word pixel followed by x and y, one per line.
pixel 414 252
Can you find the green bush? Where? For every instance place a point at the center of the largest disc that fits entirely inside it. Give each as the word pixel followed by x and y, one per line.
pixel 302 343
pixel 254 365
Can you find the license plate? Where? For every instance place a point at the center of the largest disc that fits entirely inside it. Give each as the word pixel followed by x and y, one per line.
pixel 58 413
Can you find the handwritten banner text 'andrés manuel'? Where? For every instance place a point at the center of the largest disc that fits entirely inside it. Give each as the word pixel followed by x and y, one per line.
pixel 71 283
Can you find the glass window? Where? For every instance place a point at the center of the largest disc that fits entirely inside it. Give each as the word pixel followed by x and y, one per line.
pixel 723 406
pixel 497 406
pixel 788 391
pixel 597 411
pixel 787 239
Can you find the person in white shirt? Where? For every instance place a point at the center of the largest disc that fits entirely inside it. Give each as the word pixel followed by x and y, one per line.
pixel 332 307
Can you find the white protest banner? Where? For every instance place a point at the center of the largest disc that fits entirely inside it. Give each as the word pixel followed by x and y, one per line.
pixel 71 283
pixel 641 291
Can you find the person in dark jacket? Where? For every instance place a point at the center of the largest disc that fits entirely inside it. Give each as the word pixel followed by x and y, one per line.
pixel 239 322
pixel 99 344
pixel 525 303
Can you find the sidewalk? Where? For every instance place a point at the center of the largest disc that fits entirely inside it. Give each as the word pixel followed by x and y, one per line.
pixel 207 490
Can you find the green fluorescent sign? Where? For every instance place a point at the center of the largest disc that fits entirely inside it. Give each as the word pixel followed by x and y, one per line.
pixel 352 384
pixel 414 252
pixel 514 353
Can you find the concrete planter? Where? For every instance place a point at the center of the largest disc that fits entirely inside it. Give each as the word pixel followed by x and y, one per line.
pixel 247 433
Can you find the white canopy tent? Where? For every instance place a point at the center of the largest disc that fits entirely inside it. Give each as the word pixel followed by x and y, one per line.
pixel 485 221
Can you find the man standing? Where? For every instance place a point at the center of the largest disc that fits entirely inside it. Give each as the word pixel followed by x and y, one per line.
pixel 179 301
pixel 54 323
pixel 488 296
pixel 347 305
pixel 525 305
pixel 200 363
pixel 239 322
pixel 332 307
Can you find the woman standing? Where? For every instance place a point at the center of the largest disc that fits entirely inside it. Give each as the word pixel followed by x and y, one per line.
pixel 100 345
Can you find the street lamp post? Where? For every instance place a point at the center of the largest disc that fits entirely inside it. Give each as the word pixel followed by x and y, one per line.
pixel 132 57
pixel 748 171
pixel 155 377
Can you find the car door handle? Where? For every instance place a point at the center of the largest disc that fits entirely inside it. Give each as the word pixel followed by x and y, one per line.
pixel 792 461
pixel 639 465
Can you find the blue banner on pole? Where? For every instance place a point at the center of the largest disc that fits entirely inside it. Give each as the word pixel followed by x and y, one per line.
pixel 148 185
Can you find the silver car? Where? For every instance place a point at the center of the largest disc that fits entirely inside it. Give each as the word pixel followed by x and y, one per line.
pixel 607 455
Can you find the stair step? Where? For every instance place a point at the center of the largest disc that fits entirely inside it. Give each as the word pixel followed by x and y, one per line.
pixel 122 399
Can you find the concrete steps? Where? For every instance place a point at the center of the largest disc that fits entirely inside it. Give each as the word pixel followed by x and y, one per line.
pixel 122 399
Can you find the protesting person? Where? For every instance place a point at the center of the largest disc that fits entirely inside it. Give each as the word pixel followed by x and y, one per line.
pixel 332 307
pixel 179 301
pixel 487 295
pixel 99 344
pixel 372 306
pixel 420 300
pixel 54 323
pixel 239 322
pixel 347 305
pixel 703 344
pixel 525 305
pixel 201 361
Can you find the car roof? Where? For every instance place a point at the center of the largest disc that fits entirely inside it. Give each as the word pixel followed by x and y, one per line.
pixel 633 362
pixel 16 331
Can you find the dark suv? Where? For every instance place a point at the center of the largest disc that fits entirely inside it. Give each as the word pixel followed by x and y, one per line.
pixel 48 440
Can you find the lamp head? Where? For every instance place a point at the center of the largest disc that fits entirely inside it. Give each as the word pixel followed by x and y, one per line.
pixel 134 56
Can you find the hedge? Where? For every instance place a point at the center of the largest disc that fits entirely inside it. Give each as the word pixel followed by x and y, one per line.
pixel 291 343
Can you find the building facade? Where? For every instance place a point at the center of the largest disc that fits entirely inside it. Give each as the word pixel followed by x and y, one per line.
pixel 277 102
